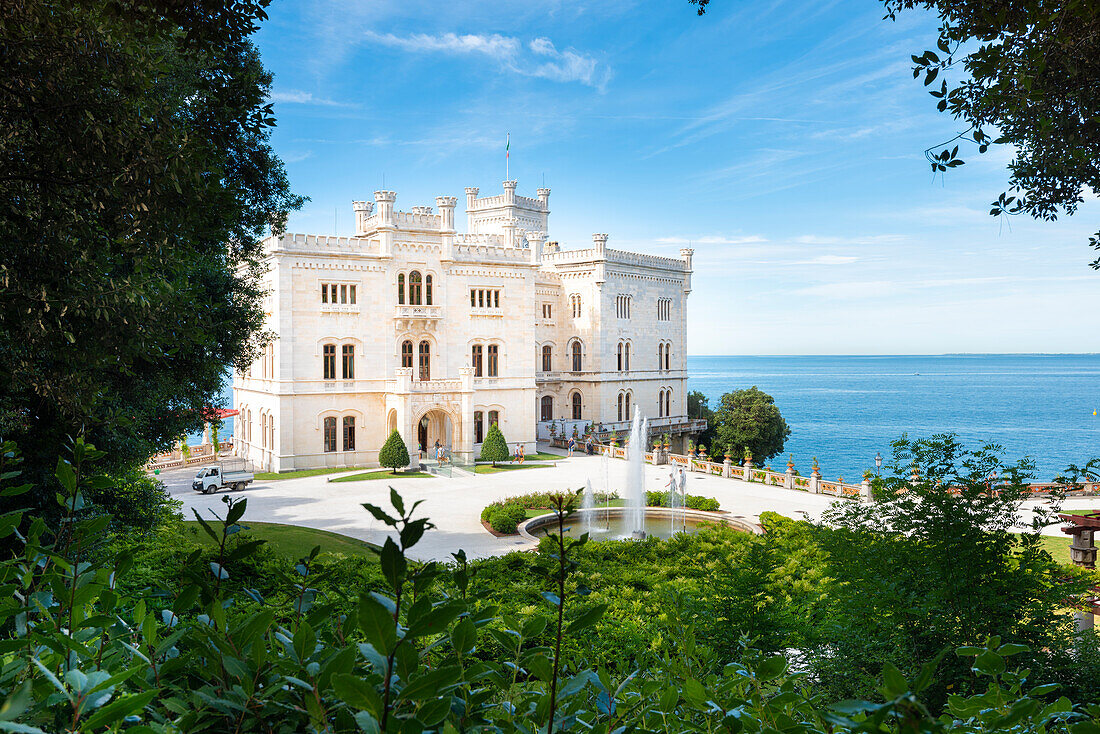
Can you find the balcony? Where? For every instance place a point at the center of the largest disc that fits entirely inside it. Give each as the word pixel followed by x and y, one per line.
pixel 436 386
pixel 419 312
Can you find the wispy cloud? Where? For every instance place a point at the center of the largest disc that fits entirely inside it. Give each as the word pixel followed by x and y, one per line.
pixel 297 96
pixel 828 260
pixel 711 240
pixel 297 157
pixel 538 58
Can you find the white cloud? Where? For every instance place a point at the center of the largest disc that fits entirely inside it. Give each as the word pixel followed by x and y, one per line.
pixel 539 58
pixel 828 260
pixel 711 240
pixel 297 96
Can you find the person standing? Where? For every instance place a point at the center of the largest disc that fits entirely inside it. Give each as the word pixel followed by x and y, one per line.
pixel 572 446
pixel 522 453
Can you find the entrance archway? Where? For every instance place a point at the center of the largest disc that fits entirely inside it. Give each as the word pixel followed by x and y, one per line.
pixel 434 425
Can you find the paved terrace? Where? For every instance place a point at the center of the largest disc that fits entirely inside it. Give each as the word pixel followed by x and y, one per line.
pixel 455 504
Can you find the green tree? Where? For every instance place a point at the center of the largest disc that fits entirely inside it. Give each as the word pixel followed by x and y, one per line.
pixel 749 419
pixel 394 453
pixel 699 407
pixel 494 448
pixel 1028 72
pixel 937 563
pixel 137 181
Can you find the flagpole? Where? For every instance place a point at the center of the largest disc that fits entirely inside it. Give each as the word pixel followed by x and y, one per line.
pixel 507 157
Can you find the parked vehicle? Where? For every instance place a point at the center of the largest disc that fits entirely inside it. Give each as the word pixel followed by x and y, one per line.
pixel 226 474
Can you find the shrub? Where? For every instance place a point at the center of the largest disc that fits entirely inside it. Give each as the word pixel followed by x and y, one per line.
pixel 507 517
pixel 394 454
pixel 693 501
pixel 494 448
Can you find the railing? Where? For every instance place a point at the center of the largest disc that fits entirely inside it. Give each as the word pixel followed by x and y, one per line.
pixel 195 455
pixel 419 312
pixel 436 385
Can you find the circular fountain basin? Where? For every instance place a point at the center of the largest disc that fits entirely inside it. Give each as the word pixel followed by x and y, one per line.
pixel 611 523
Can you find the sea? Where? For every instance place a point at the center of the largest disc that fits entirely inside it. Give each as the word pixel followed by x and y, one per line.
pixel 845 409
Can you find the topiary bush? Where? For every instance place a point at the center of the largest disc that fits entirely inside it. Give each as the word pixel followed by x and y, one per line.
pixel 494 448
pixel 394 454
pixel 693 501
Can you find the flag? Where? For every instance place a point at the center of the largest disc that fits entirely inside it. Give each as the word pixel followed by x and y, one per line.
pixel 507 145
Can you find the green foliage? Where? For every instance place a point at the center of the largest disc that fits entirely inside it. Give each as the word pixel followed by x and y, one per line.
pixel 1015 68
pixel 935 564
pixel 139 181
pixel 749 421
pixel 136 502
pixel 165 638
pixel 699 407
pixel 394 454
pixel 505 517
pixel 692 501
pixel 494 448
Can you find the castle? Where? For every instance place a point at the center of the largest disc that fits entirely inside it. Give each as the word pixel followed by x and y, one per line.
pixel 411 325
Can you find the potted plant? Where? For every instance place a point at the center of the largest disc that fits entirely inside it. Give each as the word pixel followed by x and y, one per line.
pixel 668 441
pixel 867 473
pixel 702 452
pixel 691 448
pixel 815 464
pixel 790 463
pixel 747 455
pixel 729 451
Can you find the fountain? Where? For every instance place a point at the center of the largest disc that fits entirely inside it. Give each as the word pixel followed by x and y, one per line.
pixel 635 479
pixel 588 504
pixel 672 501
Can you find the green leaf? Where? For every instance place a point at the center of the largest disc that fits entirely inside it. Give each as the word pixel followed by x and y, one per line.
pixel 587 618
pixel 16 703
pixel 893 682
pixel 431 683
pixel 393 564
pixel 464 636
pixel 435 620
pixel 771 668
pixel 118 710
pixel 989 663
pixel 377 625
pixel 357 693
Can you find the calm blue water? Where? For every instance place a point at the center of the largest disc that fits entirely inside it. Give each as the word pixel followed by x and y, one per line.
pixel 844 409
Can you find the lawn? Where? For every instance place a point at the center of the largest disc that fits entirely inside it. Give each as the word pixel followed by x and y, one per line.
pixel 268 476
pixel 295 542
pixel 536 511
pixel 382 474
pixel 543 456
pixel 490 469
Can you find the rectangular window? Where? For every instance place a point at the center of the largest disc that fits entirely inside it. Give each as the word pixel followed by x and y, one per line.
pixel 330 361
pixel 473 298
pixel 496 299
pixel 351 294
pixel 481 299
pixel 475 358
pixel 349 433
pixel 479 427
pixel 494 359
pixel 330 434
pixel 324 293
pixel 494 417
pixel 349 361
pixel 343 294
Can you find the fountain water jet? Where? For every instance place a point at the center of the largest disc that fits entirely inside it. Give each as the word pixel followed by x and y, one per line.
pixel 635 478
pixel 588 504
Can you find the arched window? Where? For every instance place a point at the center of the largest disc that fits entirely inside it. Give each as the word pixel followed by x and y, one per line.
pixel 494 417
pixel 427 290
pixel 547 408
pixel 349 433
pixel 660 403
pixel 271 432
pixel 626 362
pixel 494 360
pixel 620 406
pixel 576 406
pixel 330 434
pixel 661 356
pixel 620 359
pixel 425 361
pixel 248 426
pixel 547 358
pixel 406 353
pixel 329 359
pixel 475 359
pixel 414 288
pixel 668 401
pixel 668 356
pixel 401 288
pixel 576 356
pixel 479 426
pixel 263 431
pixel 626 407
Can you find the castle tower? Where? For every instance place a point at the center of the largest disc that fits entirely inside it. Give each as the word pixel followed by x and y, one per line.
pixel 363 210
pixel 446 206
pixel 385 200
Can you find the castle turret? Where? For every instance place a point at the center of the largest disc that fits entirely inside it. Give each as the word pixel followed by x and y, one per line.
pixel 471 197
pixel 446 206
pixel 363 210
pixel 544 198
pixel 385 200
pixel 509 228
pixel 599 241
pixel 534 240
pixel 510 192
pixel 686 254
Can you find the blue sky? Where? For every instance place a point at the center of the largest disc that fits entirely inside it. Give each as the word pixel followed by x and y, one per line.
pixel 783 140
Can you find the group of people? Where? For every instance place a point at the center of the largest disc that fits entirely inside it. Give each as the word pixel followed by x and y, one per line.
pixel 589 447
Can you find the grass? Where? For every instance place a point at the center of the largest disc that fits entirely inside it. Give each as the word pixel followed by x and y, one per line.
pixel 295 542
pixel 490 469
pixel 382 474
pixel 536 511
pixel 543 456
pixel 269 476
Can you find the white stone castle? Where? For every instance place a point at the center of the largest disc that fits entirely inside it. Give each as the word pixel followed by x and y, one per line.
pixel 414 326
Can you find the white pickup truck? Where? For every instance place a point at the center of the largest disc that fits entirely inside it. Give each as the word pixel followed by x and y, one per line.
pixel 226 474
